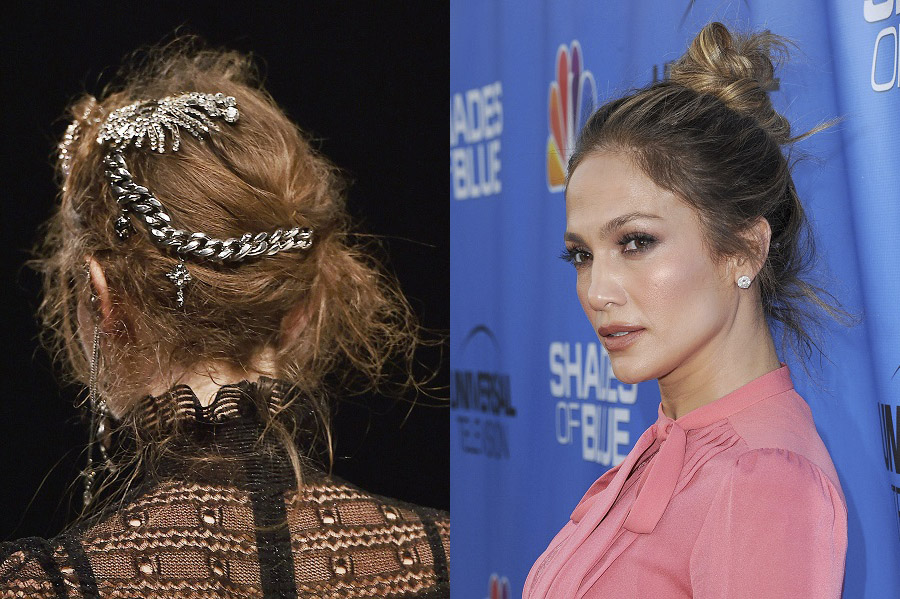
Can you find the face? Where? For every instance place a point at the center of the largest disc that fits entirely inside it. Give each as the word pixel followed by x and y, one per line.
pixel 655 297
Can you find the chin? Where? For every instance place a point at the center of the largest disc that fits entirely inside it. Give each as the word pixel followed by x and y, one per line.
pixel 631 371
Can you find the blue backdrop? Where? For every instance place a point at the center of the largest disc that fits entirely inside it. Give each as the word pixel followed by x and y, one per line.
pixel 537 414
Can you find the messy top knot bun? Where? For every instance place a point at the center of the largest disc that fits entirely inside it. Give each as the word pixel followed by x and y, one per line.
pixel 710 134
pixel 738 70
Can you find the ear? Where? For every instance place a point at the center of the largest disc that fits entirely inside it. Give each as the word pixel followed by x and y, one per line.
pixel 759 234
pixel 100 289
pixel 101 309
pixel 293 323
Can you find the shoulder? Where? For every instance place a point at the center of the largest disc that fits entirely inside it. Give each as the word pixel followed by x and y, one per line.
pixel 36 567
pixel 783 422
pixel 399 536
pixel 773 506
pixel 340 502
pixel 777 494
pixel 779 480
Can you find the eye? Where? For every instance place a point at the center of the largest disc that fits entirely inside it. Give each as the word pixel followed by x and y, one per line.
pixel 576 256
pixel 636 242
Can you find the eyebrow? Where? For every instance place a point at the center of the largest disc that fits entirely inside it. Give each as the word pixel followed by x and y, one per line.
pixel 612 225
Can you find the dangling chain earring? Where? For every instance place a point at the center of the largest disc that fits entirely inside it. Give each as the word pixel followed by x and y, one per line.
pixel 99 413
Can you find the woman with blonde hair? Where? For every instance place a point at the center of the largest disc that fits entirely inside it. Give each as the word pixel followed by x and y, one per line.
pixel 200 279
pixel 687 236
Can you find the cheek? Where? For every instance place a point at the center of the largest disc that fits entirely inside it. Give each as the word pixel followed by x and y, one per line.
pixel 678 291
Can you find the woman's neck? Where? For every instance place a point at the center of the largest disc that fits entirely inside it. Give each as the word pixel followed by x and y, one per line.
pixel 726 364
pixel 206 379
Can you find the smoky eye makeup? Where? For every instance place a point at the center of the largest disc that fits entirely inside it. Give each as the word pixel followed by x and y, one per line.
pixel 575 255
pixel 636 242
pixel 631 243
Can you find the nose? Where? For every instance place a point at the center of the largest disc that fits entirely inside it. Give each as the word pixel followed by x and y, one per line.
pixel 604 289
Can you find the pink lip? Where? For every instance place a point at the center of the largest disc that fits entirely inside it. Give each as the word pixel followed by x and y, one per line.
pixel 622 341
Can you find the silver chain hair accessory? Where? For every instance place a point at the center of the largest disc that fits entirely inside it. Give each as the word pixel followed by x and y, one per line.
pixel 152 120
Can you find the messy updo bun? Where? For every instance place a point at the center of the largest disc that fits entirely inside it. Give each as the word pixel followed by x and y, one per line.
pixel 710 134
pixel 738 70
pixel 334 320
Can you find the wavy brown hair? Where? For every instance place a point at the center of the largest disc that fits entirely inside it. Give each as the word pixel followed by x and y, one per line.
pixel 710 135
pixel 337 322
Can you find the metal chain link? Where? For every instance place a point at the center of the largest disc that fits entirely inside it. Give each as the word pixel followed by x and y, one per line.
pixel 138 200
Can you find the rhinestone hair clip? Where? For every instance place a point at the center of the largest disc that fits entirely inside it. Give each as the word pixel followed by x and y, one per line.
pixel 73 132
pixel 155 122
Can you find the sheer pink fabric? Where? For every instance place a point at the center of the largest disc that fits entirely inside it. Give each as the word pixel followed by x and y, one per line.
pixel 738 498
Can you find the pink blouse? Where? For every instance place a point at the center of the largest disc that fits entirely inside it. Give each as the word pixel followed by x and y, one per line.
pixel 737 498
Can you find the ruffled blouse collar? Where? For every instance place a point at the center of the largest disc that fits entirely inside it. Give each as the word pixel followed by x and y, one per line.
pixel 180 405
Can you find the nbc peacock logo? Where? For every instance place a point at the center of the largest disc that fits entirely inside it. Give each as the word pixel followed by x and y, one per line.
pixel 498 588
pixel 572 99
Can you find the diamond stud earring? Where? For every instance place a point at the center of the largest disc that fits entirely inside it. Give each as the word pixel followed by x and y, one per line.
pixel 744 282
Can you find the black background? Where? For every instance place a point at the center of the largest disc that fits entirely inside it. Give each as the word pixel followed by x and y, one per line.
pixel 368 79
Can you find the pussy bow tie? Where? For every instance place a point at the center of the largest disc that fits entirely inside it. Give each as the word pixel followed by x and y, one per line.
pixel 653 496
pixel 658 485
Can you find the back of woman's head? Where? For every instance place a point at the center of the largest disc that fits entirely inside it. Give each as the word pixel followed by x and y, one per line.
pixel 326 312
pixel 710 134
